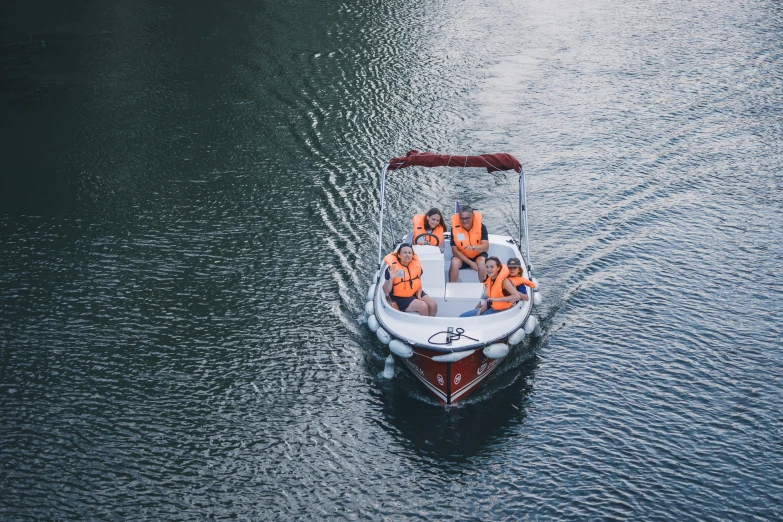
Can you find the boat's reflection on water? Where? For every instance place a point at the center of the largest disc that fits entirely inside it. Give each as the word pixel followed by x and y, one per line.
pixel 455 433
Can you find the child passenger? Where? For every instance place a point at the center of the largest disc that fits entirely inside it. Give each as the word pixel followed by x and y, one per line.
pixel 515 276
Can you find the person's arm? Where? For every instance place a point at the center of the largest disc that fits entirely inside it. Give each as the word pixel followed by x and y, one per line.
pixel 389 283
pixel 508 288
pixel 462 257
pixel 484 245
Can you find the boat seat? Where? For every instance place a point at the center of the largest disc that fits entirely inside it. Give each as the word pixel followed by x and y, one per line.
pixel 459 298
pixel 466 291
pixel 467 276
pixel 433 278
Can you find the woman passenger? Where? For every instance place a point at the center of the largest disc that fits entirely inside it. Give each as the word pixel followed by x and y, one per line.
pixel 428 228
pixel 403 282
pixel 501 293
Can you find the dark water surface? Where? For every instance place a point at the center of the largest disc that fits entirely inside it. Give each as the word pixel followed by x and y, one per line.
pixel 188 224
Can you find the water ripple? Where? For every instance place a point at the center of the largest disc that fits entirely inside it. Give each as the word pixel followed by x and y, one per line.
pixel 184 263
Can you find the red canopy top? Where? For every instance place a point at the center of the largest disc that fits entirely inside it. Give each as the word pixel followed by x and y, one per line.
pixel 492 162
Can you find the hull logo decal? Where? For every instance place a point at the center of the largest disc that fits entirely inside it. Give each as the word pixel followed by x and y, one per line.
pixel 481 369
pixel 440 379
pixel 457 378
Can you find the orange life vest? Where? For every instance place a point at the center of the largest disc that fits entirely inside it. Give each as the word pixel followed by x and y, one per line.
pixel 462 238
pixel 410 283
pixel 519 280
pixel 419 222
pixel 494 290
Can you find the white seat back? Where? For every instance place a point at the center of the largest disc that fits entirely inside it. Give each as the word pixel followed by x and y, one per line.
pixel 433 278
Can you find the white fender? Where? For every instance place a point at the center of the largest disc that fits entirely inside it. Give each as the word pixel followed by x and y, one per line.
pixel 369 308
pixel 496 350
pixel 371 291
pixel 372 322
pixel 400 349
pixel 453 357
pixel 514 339
pixel 535 282
pixel 388 368
pixel 531 324
pixel 382 335
pixel 537 299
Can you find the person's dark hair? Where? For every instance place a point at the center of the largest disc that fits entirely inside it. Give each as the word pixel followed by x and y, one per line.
pixel 496 260
pixel 432 212
pixel 403 245
pixel 399 249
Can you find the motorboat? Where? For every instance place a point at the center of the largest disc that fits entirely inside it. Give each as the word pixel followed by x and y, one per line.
pixel 449 354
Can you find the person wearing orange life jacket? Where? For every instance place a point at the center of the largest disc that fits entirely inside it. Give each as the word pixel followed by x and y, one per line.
pixel 428 228
pixel 515 276
pixel 469 243
pixel 403 282
pixel 501 294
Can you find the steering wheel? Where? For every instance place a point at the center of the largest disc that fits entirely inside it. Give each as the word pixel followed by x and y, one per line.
pixel 426 235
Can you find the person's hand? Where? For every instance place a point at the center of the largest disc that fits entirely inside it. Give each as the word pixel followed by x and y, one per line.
pixel 473 265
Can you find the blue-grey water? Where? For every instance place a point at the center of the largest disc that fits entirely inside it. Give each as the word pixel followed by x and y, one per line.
pixel 188 202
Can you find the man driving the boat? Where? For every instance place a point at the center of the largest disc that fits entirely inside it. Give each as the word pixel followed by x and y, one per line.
pixel 403 282
pixel 469 243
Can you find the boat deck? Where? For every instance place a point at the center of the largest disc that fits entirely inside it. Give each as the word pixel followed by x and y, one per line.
pixel 453 299
pixel 463 295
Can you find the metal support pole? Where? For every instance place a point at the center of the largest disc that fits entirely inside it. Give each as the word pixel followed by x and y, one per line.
pixel 380 214
pixel 391 225
pixel 519 207
pixel 523 209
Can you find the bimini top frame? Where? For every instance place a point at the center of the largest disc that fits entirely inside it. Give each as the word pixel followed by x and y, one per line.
pixel 492 162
